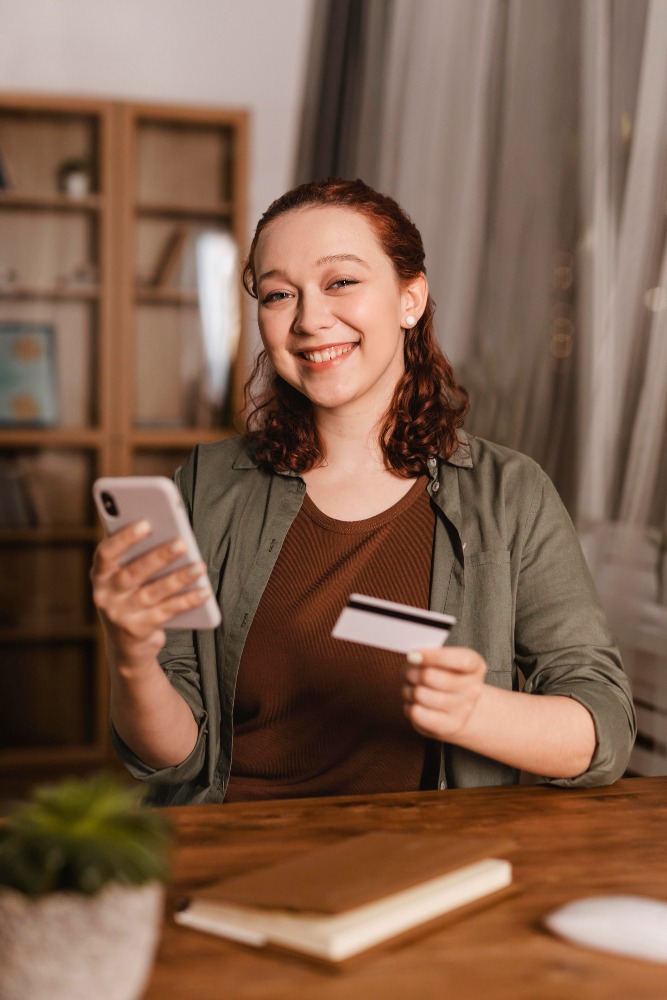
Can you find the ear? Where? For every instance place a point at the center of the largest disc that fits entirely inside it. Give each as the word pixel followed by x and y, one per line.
pixel 413 300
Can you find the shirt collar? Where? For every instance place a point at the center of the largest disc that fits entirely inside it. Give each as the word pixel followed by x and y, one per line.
pixel 461 456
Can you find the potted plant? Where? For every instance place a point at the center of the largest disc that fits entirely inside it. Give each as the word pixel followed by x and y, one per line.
pixel 82 867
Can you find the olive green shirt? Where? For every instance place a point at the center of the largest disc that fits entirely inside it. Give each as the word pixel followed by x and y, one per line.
pixel 506 563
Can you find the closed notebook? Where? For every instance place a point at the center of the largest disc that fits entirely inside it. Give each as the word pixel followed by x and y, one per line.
pixel 333 902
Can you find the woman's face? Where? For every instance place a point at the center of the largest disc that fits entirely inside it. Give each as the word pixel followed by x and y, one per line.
pixel 331 310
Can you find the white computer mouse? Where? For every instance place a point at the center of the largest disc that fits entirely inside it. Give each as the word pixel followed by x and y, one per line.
pixel 624 925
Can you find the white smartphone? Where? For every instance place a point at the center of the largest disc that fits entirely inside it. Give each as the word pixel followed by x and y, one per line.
pixel 123 500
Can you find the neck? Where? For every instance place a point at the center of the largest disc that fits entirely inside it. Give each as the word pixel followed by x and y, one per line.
pixel 353 482
pixel 350 441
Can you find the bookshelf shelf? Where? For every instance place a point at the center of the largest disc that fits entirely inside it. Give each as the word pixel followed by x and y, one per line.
pixel 153 438
pixel 46 634
pixel 57 758
pixel 51 437
pixel 56 293
pixel 48 536
pixel 50 203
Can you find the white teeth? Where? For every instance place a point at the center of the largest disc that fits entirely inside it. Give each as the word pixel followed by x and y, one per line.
pixel 328 354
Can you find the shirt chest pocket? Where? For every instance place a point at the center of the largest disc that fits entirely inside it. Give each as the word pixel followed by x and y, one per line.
pixel 488 615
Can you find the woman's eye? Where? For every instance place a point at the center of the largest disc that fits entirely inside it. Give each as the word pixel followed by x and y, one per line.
pixel 274 297
pixel 343 283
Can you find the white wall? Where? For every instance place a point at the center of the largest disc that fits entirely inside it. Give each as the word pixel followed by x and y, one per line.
pixel 241 53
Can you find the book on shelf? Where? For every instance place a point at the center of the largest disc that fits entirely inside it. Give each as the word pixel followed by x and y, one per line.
pixel 16 509
pixel 56 487
pixel 170 257
pixel 333 902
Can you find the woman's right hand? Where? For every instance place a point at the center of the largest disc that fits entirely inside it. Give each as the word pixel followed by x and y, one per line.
pixel 132 610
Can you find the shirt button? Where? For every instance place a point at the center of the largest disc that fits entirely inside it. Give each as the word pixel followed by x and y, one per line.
pixel 436 486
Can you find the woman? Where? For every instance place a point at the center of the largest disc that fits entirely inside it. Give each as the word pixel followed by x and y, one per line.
pixel 355 475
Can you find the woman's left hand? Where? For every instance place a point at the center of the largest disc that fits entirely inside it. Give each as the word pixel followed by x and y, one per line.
pixel 441 689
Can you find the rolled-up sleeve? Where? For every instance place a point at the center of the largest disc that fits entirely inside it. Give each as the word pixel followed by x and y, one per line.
pixel 178 661
pixel 563 643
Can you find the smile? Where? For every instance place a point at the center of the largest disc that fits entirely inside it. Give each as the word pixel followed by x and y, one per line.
pixel 327 353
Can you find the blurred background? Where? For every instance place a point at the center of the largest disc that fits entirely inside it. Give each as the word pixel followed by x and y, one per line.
pixel 139 144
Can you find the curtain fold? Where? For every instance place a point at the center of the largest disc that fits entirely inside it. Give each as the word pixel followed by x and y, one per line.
pixel 343 90
pixel 435 135
pixel 599 382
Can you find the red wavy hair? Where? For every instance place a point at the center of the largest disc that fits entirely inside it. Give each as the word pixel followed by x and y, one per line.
pixel 428 406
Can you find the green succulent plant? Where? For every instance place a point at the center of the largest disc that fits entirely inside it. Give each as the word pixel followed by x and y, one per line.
pixel 80 835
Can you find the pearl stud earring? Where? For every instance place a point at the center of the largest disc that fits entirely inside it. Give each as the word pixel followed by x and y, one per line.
pixel 410 321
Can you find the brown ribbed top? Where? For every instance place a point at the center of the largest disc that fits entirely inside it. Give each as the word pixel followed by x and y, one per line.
pixel 315 715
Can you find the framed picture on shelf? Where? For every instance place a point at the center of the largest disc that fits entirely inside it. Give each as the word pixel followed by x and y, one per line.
pixel 28 383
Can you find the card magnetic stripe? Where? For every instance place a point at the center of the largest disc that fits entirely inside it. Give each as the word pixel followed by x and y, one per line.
pixel 406 616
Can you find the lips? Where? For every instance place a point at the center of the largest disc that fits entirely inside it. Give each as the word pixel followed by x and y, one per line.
pixel 329 353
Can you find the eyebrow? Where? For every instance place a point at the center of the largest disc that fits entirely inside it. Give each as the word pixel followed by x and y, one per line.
pixel 336 258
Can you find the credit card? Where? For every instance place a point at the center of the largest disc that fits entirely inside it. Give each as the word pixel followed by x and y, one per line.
pixel 388 625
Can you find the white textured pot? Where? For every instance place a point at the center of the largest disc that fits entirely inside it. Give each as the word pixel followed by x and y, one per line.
pixel 66 946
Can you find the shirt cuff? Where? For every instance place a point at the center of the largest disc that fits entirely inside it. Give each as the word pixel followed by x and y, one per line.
pixel 176 774
pixel 614 739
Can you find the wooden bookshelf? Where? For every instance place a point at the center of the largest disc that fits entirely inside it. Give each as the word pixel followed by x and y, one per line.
pixel 224 210
pixel 133 378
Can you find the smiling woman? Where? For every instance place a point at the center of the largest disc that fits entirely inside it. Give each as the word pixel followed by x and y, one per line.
pixel 332 324
pixel 355 475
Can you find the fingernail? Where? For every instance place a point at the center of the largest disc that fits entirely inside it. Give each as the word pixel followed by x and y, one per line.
pixel 414 656
pixel 195 570
pixel 141 528
pixel 204 592
pixel 177 546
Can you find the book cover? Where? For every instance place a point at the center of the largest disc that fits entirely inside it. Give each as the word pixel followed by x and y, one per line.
pixel 336 901
pixel 169 258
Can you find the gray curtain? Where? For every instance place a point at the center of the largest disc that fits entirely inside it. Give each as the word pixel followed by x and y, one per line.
pixel 344 90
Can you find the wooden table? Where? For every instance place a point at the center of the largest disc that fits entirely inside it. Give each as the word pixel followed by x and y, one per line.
pixel 569 843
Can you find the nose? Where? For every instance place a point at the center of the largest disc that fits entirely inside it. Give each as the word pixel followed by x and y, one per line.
pixel 312 314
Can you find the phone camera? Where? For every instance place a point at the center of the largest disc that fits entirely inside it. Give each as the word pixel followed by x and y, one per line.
pixel 109 504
